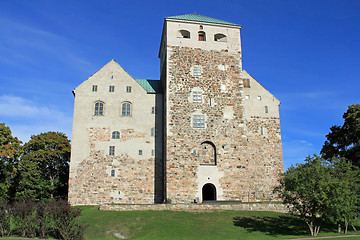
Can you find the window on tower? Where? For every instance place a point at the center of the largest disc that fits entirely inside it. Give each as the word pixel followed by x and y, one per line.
pixel 246 83
pixel 220 37
pixel 197 97
pixel 198 121
pixel 197 71
pixel 183 34
pixel 202 36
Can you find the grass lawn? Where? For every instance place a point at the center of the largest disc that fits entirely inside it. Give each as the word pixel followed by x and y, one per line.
pixel 245 225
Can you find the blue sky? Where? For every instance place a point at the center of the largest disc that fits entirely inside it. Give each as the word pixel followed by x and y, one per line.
pixel 306 53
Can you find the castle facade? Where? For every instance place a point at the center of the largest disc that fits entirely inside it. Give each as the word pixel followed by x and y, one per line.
pixel 206 131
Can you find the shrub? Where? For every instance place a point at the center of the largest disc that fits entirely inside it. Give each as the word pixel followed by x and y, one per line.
pixel 53 219
pixel 5 216
pixel 25 218
pixel 66 221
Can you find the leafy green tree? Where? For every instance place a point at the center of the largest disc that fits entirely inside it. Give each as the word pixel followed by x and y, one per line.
pixel 10 150
pixel 344 141
pixel 45 162
pixel 306 189
pixel 343 202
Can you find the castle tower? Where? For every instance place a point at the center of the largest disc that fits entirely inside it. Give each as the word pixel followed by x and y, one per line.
pixel 217 145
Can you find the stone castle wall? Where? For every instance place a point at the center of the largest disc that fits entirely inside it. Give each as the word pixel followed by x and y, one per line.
pixel 248 163
pixel 133 181
pixel 274 207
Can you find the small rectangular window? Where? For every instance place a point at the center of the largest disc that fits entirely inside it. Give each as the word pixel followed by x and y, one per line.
pixel 94 88
pixel 259 98
pixel 197 97
pixel 198 121
pixel 111 88
pixel 152 152
pixel 261 131
pixel 246 83
pixel 197 71
pixel 112 150
pixel 128 89
pixel 140 152
pixel 247 97
pixel 113 173
pixel 266 109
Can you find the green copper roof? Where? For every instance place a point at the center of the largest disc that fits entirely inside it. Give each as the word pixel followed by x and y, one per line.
pixel 201 18
pixel 150 86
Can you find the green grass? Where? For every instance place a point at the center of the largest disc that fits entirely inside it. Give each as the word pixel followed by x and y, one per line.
pixel 245 225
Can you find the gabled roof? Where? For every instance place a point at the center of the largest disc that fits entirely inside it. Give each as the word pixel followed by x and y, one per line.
pixel 201 18
pixel 150 86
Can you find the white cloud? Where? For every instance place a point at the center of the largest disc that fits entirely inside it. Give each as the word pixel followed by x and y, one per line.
pixel 26 117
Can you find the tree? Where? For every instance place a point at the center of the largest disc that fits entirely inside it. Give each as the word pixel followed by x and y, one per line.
pixel 306 189
pixel 344 200
pixel 45 161
pixel 344 142
pixel 10 150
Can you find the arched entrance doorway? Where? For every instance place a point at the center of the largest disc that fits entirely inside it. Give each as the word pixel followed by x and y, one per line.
pixel 209 192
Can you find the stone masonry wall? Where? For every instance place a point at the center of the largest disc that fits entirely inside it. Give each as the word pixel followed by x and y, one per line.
pixel 221 91
pixel 133 181
pixel 248 163
pixel 274 207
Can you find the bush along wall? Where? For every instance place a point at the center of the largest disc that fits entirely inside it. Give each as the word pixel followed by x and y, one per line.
pixel 56 219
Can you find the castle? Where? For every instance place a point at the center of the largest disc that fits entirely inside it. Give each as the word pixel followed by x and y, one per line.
pixel 206 130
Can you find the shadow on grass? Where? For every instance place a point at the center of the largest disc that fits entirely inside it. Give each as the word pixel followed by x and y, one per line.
pixel 281 225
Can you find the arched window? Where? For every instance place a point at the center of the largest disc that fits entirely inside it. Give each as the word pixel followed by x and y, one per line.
pixel 207 153
pixel 220 37
pixel 126 109
pixel 99 108
pixel 183 34
pixel 202 36
pixel 115 135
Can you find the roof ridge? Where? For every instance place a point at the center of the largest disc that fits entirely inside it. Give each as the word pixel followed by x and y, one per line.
pixel 201 18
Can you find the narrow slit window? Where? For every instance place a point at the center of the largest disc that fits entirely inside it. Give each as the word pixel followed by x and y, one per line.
pixel 266 109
